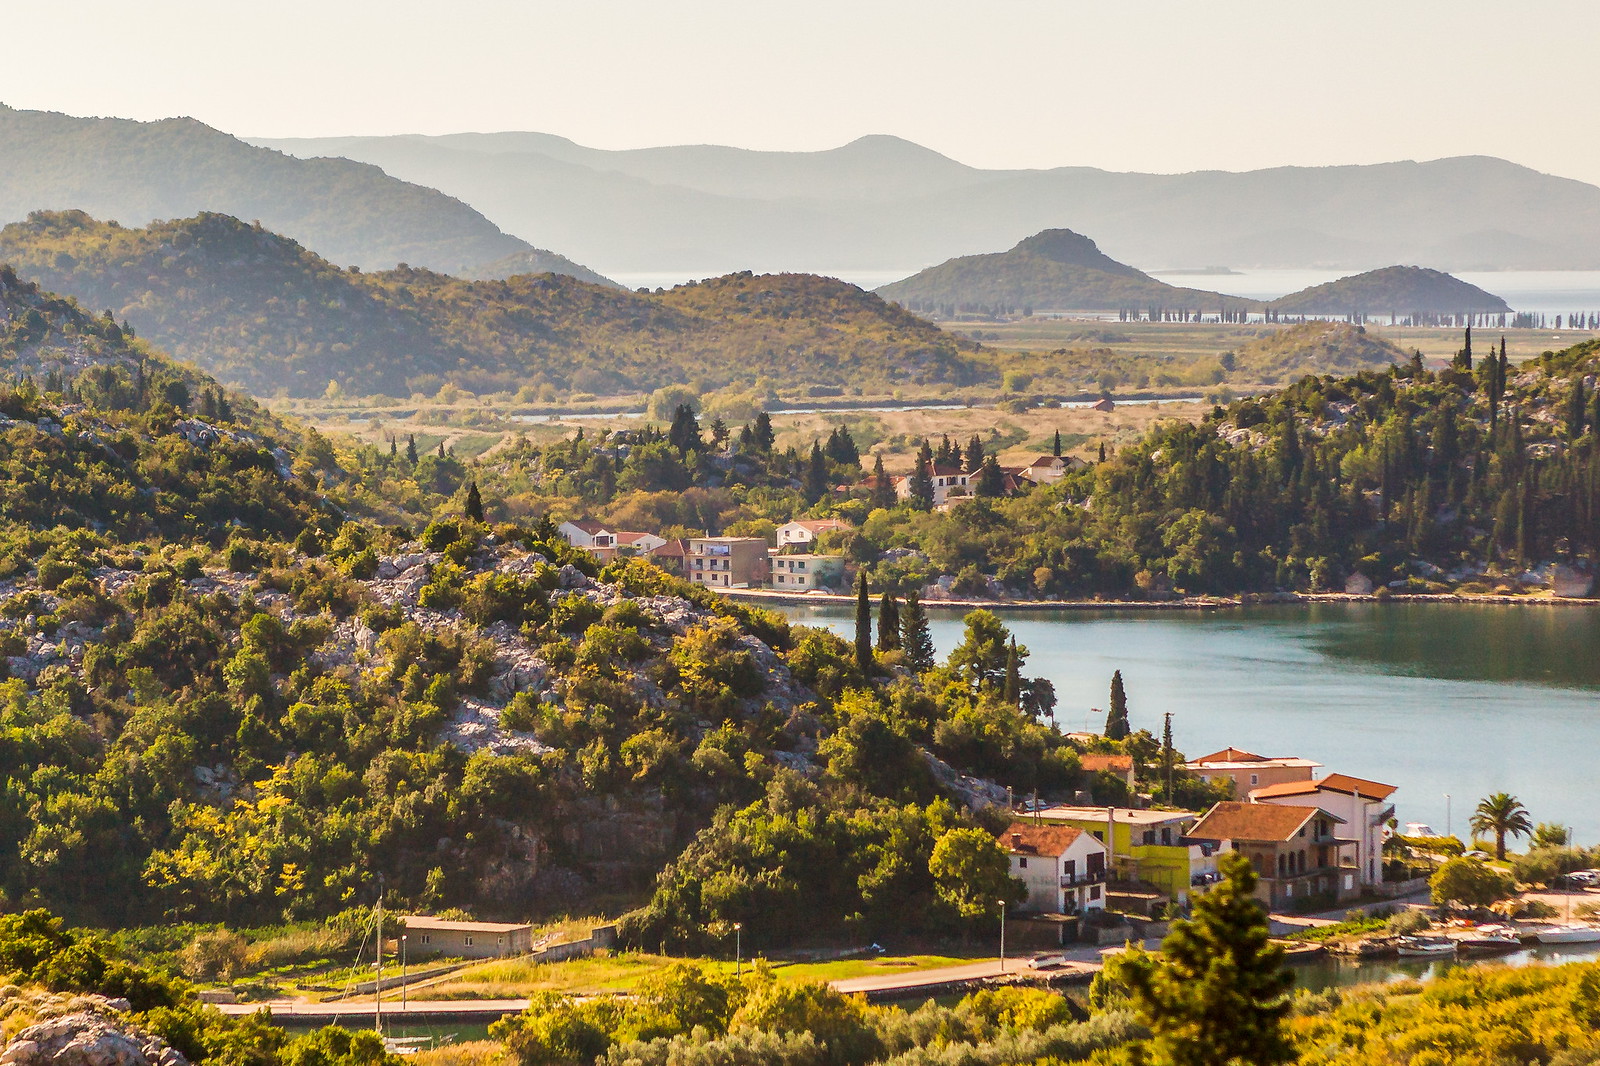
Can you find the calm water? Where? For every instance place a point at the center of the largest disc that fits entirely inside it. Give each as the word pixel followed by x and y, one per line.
pixel 1330 972
pixel 1435 698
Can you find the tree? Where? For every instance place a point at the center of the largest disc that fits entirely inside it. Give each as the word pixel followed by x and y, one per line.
pixel 915 636
pixel 888 622
pixel 972 462
pixel 991 479
pixel 1501 814
pixel 762 432
pixel 411 449
pixel 863 624
pixel 972 875
pixel 1217 992
pixel 816 474
pixel 685 432
pixel 1012 693
pixel 1055 449
pixel 1117 727
pixel 474 502
pixel 1168 757
pixel 1470 883
pixel 921 485
pixel 1546 835
pixel 883 494
pixel 980 658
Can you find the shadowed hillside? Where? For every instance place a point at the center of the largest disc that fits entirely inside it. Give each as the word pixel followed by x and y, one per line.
pixel 1401 290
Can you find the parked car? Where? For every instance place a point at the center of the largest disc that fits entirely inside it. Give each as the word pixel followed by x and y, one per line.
pixel 1047 961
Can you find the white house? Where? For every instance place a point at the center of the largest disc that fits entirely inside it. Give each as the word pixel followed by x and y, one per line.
pixel 1047 469
pixel 804 572
pixel 587 534
pixel 948 481
pixel 804 531
pixel 1063 867
pixel 1363 806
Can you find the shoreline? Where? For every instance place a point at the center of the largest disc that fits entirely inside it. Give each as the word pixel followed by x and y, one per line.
pixel 1199 603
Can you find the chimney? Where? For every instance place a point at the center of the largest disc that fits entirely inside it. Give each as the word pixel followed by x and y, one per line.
pixel 1016 841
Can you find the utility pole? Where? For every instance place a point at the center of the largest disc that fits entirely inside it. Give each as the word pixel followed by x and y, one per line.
pixel 402 973
pixel 738 949
pixel 1167 756
pixel 1002 936
pixel 377 984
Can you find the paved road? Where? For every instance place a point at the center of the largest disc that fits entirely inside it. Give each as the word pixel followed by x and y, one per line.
pixel 415 1009
pixel 911 980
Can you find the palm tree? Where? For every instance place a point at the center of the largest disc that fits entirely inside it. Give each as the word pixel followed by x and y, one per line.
pixel 1500 814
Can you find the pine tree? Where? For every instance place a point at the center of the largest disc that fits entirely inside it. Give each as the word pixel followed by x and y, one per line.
pixel 1012 693
pixel 921 485
pixel 764 436
pixel 888 622
pixel 1117 727
pixel 816 474
pixel 991 479
pixel 863 624
pixel 474 503
pixel 1055 449
pixel 915 637
pixel 1102 451
pixel 973 460
pixel 1217 993
pixel 411 449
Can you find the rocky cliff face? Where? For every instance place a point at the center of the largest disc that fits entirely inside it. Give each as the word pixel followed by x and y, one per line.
pixel 81 1031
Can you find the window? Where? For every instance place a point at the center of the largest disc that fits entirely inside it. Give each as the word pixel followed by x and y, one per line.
pixel 1098 835
pixel 1166 835
pixel 1255 779
pixel 424 938
pixel 1094 891
pixel 1022 863
pixel 1149 837
pixel 467 940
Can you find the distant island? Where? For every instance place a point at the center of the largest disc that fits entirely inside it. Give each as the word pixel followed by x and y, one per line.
pixel 1203 272
pixel 1055 270
pixel 1406 290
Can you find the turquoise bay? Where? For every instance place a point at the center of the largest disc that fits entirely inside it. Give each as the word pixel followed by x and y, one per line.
pixel 1435 698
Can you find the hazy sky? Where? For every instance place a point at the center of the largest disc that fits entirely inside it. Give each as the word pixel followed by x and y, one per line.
pixel 1162 85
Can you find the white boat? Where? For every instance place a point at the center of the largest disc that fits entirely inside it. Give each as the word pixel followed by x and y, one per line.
pixel 1489 940
pixel 1425 947
pixel 1572 933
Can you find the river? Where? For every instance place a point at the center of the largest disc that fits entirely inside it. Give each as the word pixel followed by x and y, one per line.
pixel 1438 699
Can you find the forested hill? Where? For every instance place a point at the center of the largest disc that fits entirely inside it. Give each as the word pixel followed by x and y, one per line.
pixel 1056 270
pixel 259 310
pixel 352 213
pixel 1404 290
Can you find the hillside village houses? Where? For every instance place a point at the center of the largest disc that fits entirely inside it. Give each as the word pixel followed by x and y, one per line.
pixel 948 482
pixel 1297 851
pixel 803 532
pixel 1063 867
pixel 1247 770
pixel 1363 806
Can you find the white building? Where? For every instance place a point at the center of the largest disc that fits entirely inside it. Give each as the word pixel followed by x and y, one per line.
pixel 1063 867
pixel 948 482
pixel 1363 806
pixel 1047 469
pixel 803 532
pixel 802 573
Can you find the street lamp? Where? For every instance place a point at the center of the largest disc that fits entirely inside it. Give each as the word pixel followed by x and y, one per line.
pixel 1002 936
pixel 738 949
pixel 402 973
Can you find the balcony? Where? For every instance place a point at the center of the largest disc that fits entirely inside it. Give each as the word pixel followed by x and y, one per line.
pixel 1074 880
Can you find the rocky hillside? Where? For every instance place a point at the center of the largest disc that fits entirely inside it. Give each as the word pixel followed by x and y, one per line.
pixel 258 310
pixel 1056 270
pixel 1397 290
pixel 135 172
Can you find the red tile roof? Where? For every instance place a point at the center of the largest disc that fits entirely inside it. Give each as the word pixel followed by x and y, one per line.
pixel 1232 820
pixel 1229 755
pixel 1354 786
pixel 1117 763
pixel 1023 838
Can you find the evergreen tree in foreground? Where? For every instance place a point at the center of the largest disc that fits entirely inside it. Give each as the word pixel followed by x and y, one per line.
pixel 1117 727
pixel 411 448
pixel 863 624
pixel 1012 692
pixel 474 503
pixel 915 638
pixel 1056 449
pixel 922 479
pixel 883 494
pixel 1217 992
pixel 888 623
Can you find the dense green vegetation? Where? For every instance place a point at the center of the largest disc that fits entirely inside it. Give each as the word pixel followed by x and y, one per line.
pixel 263 312
pixel 1402 290
pixel 1056 270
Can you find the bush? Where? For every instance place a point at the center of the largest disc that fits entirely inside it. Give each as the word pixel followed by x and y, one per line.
pixel 1409 922
pixel 1470 883
pixel 216 954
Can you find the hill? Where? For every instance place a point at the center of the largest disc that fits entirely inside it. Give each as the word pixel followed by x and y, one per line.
pixel 1315 348
pixel 1056 270
pixel 1404 290
pixel 882 203
pixel 349 212
pixel 259 310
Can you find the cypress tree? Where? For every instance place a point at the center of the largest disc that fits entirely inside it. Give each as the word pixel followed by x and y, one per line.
pixel 922 479
pixel 888 622
pixel 915 637
pixel 474 503
pixel 863 624
pixel 1055 449
pixel 762 432
pixel 411 448
pixel 973 460
pixel 991 479
pixel 1575 409
pixel 1012 693
pixel 1217 992
pixel 816 474
pixel 1168 756
pixel 1102 451
pixel 883 494
pixel 1117 727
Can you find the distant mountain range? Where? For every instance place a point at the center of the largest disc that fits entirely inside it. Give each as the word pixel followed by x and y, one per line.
pixel 258 310
pixel 1057 270
pixel 881 203
pixel 350 213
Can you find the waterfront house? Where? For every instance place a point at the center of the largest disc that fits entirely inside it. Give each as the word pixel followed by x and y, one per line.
pixel 1247 770
pixel 466 940
pixel 803 532
pixel 1296 850
pixel 1063 867
pixel 727 562
pixel 1364 806
pixel 805 572
pixel 1147 851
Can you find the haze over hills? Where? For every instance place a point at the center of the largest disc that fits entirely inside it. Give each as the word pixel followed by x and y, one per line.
pixel 352 213
pixel 881 203
pixel 1398 290
pixel 258 310
pixel 1056 270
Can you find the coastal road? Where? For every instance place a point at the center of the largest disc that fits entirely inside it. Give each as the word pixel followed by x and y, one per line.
pixel 362 1010
pixel 911 980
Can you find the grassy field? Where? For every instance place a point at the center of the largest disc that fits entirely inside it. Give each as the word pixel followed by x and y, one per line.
pixel 612 972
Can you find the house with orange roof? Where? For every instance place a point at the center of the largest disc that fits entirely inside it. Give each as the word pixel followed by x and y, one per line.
pixel 1296 849
pixel 1120 765
pixel 1048 469
pixel 1247 770
pixel 803 532
pixel 1063 867
pixel 1364 805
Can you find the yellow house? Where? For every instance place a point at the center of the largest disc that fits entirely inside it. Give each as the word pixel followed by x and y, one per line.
pixel 1146 846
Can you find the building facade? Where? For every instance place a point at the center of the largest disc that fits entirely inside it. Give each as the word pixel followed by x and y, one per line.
pixel 948 482
pixel 727 562
pixel 1364 806
pixel 1296 850
pixel 1248 771
pixel 803 573
pixel 1063 868
pixel 1146 847
pixel 466 940
pixel 803 532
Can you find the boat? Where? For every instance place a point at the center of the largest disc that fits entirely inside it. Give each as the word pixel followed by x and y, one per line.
pixel 1425 947
pixel 1571 933
pixel 1489 940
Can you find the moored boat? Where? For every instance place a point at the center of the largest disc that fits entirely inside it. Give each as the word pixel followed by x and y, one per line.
pixel 1571 933
pixel 1489 940
pixel 1415 947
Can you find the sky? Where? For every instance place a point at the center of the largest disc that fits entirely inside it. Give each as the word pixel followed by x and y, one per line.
pixel 1153 85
